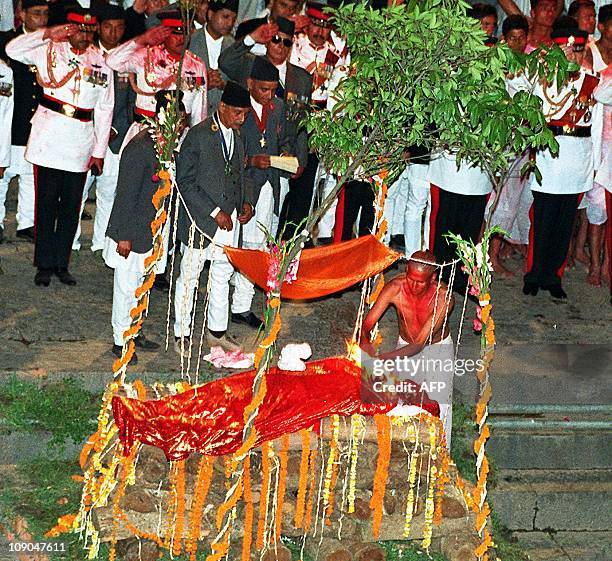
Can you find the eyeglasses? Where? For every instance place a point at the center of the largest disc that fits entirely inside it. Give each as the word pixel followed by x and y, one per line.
pixel 286 42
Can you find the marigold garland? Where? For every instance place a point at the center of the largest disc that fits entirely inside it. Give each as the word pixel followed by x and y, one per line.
pixel 330 467
pixel 248 511
pixel 180 508
pixel 356 428
pixel 312 484
pixel 383 428
pixel 282 485
pixel 266 451
pixel 303 481
pixel 202 486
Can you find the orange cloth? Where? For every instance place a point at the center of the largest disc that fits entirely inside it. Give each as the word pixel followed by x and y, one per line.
pixel 322 270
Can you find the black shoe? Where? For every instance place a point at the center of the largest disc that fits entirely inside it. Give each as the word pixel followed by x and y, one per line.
pixel 161 283
pixel 145 344
pixel 325 241
pixel 556 291
pixel 247 318
pixel 43 277
pixel 65 277
pixel 118 349
pixel 397 242
pixel 86 216
pixel 26 234
pixel 1 234
pixel 530 288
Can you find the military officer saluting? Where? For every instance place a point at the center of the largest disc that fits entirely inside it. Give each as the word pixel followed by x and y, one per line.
pixel 70 131
pixel 217 195
pixel 153 58
pixel 34 15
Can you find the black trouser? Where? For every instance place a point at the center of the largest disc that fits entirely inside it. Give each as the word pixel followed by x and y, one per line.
pixel 58 205
pixel 358 195
pixel 552 221
pixel 457 214
pixel 299 198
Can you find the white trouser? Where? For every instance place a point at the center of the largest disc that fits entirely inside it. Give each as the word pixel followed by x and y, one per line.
pixel 253 237
pixel 284 189
pixel 25 197
pixel 515 200
pixel 434 365
pixel 220 273
pixel 106 185
pixel 328 220
pixel 395 205
pixel 124 286
pixel 417 203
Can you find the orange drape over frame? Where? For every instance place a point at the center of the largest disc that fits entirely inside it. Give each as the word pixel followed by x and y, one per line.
pixel 322 270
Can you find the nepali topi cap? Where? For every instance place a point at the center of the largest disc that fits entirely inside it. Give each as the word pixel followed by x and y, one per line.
pixel 235 95
pixel 264 70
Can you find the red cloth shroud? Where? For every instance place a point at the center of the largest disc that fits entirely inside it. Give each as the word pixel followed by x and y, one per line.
pixel 322 270
pixel 209 418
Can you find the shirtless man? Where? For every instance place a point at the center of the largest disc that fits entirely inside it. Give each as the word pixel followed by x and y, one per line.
pixel 421 301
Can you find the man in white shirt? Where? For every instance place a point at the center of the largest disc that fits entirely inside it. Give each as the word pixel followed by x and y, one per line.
pixel 210 41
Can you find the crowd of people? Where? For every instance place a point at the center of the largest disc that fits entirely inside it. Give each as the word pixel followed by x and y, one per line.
pixel 80 85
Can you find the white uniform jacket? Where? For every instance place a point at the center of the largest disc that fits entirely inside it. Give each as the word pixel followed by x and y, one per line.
pixel 156 70
pixel 467 180
pixel 78 81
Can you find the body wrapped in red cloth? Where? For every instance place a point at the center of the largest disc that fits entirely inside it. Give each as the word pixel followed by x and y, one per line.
pixel 209 418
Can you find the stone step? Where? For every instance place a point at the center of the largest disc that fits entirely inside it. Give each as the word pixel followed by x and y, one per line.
pixel 566 546
pixel 551 436
pixel 554 500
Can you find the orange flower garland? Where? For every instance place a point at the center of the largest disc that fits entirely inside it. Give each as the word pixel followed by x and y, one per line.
pixel 202 486
pixel 180 508
pixel 282 484
pixel 383 427
pixel 331 467
pixel 248 511
pixel 303 481
pixel 266 451
pixel 312 489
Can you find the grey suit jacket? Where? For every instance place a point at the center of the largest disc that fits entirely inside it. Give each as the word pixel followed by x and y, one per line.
pixel 133 209
pixel 276 143
pixel 237 60
pixel 197 45
pixel 202 182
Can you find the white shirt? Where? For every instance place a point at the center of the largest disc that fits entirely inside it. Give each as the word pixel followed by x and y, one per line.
pixel 467 180
pixel 7 15
pixel 228 136
pixel 7 97
pixel 282 73
pixel 257 107
pixel 214 49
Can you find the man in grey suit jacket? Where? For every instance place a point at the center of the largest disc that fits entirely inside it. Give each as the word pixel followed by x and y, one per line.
pixel 264 134
pixel 216 198
pixel 210 41
pixel 128 236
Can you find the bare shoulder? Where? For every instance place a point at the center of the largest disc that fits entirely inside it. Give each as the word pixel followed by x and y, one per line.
pixel 445 294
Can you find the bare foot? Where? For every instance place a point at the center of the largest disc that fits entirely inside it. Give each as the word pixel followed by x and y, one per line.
pixel 502 271
pixel 594 276
pixel 581 257
pixel 571 263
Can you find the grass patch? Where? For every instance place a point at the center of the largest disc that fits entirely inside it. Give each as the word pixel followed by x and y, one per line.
pixel 408 551
pixel 63 409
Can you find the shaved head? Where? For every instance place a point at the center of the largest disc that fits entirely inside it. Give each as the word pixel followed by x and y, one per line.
pixel 422 261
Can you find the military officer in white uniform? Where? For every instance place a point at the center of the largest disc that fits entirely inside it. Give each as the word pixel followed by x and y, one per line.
pixel 70 131
pixel 153 58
